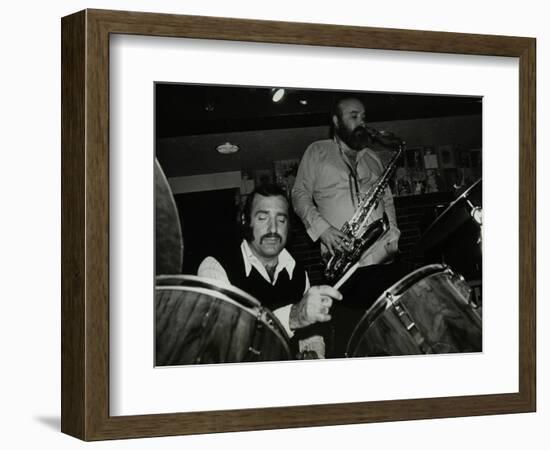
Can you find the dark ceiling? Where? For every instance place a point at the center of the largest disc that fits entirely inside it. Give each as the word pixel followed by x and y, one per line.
pixel 186 109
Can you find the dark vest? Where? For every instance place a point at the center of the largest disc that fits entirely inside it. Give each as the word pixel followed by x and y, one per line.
pixel 284 292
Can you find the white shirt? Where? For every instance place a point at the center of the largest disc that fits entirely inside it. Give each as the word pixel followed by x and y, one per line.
pixel 324 192
pixel 211 268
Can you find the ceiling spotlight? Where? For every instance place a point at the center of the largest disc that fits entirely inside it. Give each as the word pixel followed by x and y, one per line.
pixel 303 102
pixel 277 94
pixel 227 148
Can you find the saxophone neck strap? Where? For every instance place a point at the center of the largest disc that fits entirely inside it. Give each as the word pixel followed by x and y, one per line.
pixel 352 173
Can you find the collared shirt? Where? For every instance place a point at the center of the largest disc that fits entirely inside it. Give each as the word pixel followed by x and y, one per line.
pixel 211 268
pixel 325 189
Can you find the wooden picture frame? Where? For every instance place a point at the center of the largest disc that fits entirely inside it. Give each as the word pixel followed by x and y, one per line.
pixel 85 224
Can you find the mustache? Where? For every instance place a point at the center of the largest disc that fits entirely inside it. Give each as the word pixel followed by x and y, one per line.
pixel 270 236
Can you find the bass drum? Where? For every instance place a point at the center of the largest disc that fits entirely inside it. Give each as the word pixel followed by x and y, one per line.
pixel 198 321
pixel 428 311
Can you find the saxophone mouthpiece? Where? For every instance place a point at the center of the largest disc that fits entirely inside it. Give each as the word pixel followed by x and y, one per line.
pixel 373 133
pixel 383 137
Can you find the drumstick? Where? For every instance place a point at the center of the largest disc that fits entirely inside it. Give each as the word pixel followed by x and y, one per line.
pixel 346 276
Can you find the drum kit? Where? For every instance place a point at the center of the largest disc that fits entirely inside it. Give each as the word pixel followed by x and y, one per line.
pixel 199 321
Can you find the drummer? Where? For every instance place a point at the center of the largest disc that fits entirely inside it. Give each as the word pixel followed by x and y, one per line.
pixel 262 266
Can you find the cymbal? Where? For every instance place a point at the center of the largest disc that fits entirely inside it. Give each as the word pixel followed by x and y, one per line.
pixel 168 236
pixel 455 215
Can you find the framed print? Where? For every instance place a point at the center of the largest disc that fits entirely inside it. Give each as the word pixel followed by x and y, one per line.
pixel 213 217
pixel 172 125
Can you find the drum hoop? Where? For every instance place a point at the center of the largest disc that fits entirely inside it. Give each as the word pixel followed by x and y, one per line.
pixel 159 172
pixel 208 283
pixel 221 291
pixel 212 293
pixel 405 283
pixel 392 294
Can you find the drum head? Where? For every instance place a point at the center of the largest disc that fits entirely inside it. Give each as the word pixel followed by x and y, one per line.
pixel 199 321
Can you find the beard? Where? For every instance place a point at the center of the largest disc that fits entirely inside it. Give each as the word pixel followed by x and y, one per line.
pixel 356 139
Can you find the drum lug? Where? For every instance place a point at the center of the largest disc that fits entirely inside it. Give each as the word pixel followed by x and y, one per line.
pixel 261 315
pixel 409 324
pixel 405 319
pixel 454 276
pixel 461 286
pixel 450 272
pixel 254 351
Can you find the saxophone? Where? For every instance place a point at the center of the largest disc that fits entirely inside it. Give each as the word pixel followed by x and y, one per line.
pixel 361 236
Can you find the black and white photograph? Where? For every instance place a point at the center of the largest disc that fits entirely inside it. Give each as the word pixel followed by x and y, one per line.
pixel 302 224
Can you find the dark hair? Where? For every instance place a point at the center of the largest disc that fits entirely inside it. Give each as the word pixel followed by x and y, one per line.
pixel 265 190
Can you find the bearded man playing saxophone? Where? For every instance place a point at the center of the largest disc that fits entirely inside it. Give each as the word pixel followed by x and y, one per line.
pixel 332 178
